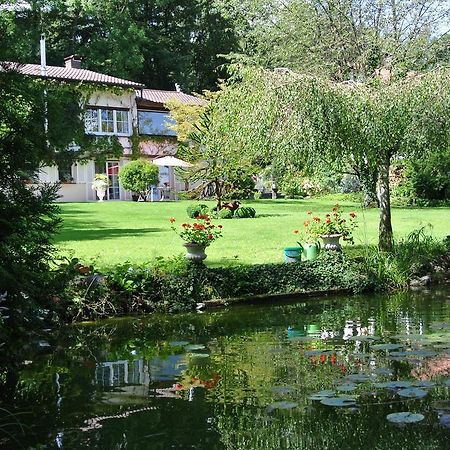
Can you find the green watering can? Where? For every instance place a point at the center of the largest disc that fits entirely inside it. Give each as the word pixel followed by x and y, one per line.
pixel 310 250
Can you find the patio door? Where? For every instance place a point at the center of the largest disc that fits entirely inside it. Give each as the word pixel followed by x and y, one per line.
pixel 112 170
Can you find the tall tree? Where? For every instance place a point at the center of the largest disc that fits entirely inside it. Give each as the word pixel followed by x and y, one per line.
pixel 287 118
pixel 342 39
pixel 156 42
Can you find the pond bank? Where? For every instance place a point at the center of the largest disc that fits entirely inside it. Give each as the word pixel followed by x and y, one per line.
pixel 177 285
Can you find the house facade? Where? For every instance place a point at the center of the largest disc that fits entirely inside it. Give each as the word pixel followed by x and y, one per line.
pixel 118 108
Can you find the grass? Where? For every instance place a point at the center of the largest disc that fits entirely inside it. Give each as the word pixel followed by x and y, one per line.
pixel 112 233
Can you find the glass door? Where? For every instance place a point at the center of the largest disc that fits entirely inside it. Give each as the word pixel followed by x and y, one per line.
pixel 112 170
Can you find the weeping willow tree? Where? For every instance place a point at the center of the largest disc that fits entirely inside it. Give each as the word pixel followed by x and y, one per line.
pixel 289 119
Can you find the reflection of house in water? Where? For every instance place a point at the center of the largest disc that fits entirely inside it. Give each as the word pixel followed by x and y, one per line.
pixel 133 378
pixel 139 371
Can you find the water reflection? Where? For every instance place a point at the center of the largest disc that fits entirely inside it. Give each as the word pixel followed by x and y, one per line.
pixel 251 377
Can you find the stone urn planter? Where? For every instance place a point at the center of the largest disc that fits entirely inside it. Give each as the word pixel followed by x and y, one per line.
pixel 195 252
pixel 100 194
pixel 331 242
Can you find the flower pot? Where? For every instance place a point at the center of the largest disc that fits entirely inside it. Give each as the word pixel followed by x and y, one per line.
pixel 292 254
pixel 195 252
pixel 331 242
pixel 100 194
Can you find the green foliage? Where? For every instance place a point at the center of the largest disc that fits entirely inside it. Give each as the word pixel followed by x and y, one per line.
pixel 137 176
pixel 425 179
pixel 194 211
pixel 245 212
pixel 291 185
pixel 29 218
pixel 182 45
pixel 410 257
pixel 176 285
pixel 225 213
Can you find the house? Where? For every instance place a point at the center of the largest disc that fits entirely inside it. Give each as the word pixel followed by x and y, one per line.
pixel 117 108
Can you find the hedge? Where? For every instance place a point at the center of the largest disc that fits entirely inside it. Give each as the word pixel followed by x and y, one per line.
pixel 177 285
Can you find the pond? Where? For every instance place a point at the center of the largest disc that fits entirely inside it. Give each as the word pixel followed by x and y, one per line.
pixel 316 374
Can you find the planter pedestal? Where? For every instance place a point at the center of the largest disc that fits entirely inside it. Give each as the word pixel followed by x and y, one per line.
pixel 195 252
pixel 331 242
pixel 100 194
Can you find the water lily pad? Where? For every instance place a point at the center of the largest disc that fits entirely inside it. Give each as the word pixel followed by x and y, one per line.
pixel 199 355
pixel 398 354
pixel 318 396
pixel 281 389
pixel 387 347
pixel 364 338
pixel 178 343
pixel 424 383
pixel 282 405
pixel 405 417
pixel 421 354
pixel 358 378
pixel 346 387
pixel 383 371
pixel 412 393
pixel 338 401
pixel 445 420
pixel 194 347
pixel 394 384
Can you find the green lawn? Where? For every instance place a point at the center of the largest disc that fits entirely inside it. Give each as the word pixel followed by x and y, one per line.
pixel 115 232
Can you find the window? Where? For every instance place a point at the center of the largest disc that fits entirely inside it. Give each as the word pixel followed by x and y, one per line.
pixel 122 121
pixel 107 121
pixel 91 120
pixel 65 172
pixel 155 123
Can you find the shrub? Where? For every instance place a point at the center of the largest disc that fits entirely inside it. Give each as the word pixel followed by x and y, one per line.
pixel 138 175
pixel 410 257
pixel 225 213
pixel 245 212
pixel 195 210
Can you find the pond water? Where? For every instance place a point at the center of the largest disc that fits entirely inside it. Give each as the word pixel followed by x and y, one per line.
pixel 319 374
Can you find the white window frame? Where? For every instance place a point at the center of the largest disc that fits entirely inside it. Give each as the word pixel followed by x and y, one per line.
pixel 99 118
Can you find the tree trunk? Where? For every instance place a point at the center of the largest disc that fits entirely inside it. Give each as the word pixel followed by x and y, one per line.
pixel 219 194
pixel 368 180
pixel 385 236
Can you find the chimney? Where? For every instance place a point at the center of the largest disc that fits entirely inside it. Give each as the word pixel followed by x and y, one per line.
pixel 43 57
pixel 72 62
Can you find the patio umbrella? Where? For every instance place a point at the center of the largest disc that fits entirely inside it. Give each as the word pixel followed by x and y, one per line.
pixel 171 161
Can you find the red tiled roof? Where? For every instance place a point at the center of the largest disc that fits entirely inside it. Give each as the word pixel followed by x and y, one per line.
pixel 70 74
pixel 158 96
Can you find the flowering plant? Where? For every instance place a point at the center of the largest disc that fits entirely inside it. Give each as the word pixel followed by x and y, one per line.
pixel 201 232
pixel 101 182
pixel 332 223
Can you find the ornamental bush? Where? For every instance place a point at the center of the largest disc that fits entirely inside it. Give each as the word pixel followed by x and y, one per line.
pixel 245 212
pixel 138 175
pixel 225 213
pixel 196 210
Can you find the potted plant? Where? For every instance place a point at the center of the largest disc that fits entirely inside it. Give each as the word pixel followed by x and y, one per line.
pixel 99 185
pixel 197 236
pixel 330 228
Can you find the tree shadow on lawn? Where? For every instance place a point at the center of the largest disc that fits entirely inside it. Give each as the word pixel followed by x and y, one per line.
pixel 78 234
